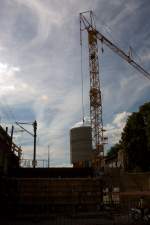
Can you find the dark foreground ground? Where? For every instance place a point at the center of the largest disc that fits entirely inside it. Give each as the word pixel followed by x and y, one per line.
pixel 60 196
pixel 101 218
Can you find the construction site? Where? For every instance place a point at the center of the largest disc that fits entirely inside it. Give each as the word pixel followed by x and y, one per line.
pixel 96 189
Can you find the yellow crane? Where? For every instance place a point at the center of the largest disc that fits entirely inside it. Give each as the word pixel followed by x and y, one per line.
pixel 87 23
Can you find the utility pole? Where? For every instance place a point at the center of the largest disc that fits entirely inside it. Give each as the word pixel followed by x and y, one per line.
pixel 34 162
pixel 6 130
pixel 48 157
pixel 11 140
pixel 34 135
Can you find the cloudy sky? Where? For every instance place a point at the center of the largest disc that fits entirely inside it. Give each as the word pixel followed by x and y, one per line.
pixel 40 68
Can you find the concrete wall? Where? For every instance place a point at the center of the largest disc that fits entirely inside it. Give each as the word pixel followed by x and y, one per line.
pixel 52 196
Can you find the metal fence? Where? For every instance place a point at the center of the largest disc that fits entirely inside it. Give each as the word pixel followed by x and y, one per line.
pixel 28 163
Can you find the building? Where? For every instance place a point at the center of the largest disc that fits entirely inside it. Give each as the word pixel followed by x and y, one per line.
pixel 9 152
pixel 116 160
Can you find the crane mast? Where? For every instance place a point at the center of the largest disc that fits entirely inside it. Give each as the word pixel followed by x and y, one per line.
pixel 87 23
pixel 95 92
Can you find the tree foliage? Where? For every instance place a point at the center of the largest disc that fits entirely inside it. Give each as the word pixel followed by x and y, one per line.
pixel 145 112
pixel 113 151
pixel 135 139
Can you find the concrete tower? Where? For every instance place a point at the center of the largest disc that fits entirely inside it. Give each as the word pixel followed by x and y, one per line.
pixel 80 143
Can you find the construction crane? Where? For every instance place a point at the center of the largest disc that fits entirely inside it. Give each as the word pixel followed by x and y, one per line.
pixel 87 23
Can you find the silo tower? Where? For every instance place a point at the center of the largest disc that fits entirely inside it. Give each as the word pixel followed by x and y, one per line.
pixel 80 143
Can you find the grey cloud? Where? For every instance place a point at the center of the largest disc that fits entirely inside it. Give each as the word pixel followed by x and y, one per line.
pixel 41 38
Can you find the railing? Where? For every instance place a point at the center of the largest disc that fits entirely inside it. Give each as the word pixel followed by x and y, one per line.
pixel 28 163
pixel 16 149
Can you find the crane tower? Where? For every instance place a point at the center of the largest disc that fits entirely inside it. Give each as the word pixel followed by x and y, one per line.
pixel 87 23
pixel 95 92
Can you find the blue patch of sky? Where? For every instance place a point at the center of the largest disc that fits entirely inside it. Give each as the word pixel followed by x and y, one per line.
pixel 24 113
pixel 25 27
pixel 143 99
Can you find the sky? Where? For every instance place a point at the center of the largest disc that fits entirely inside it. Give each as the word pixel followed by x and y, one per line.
pixel 40 69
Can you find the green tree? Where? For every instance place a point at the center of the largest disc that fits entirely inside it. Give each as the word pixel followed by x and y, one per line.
pixel 113 151
pixel 135 139
pixel 145 112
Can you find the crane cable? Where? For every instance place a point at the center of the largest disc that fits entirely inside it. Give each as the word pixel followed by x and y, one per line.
pixel 82 84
